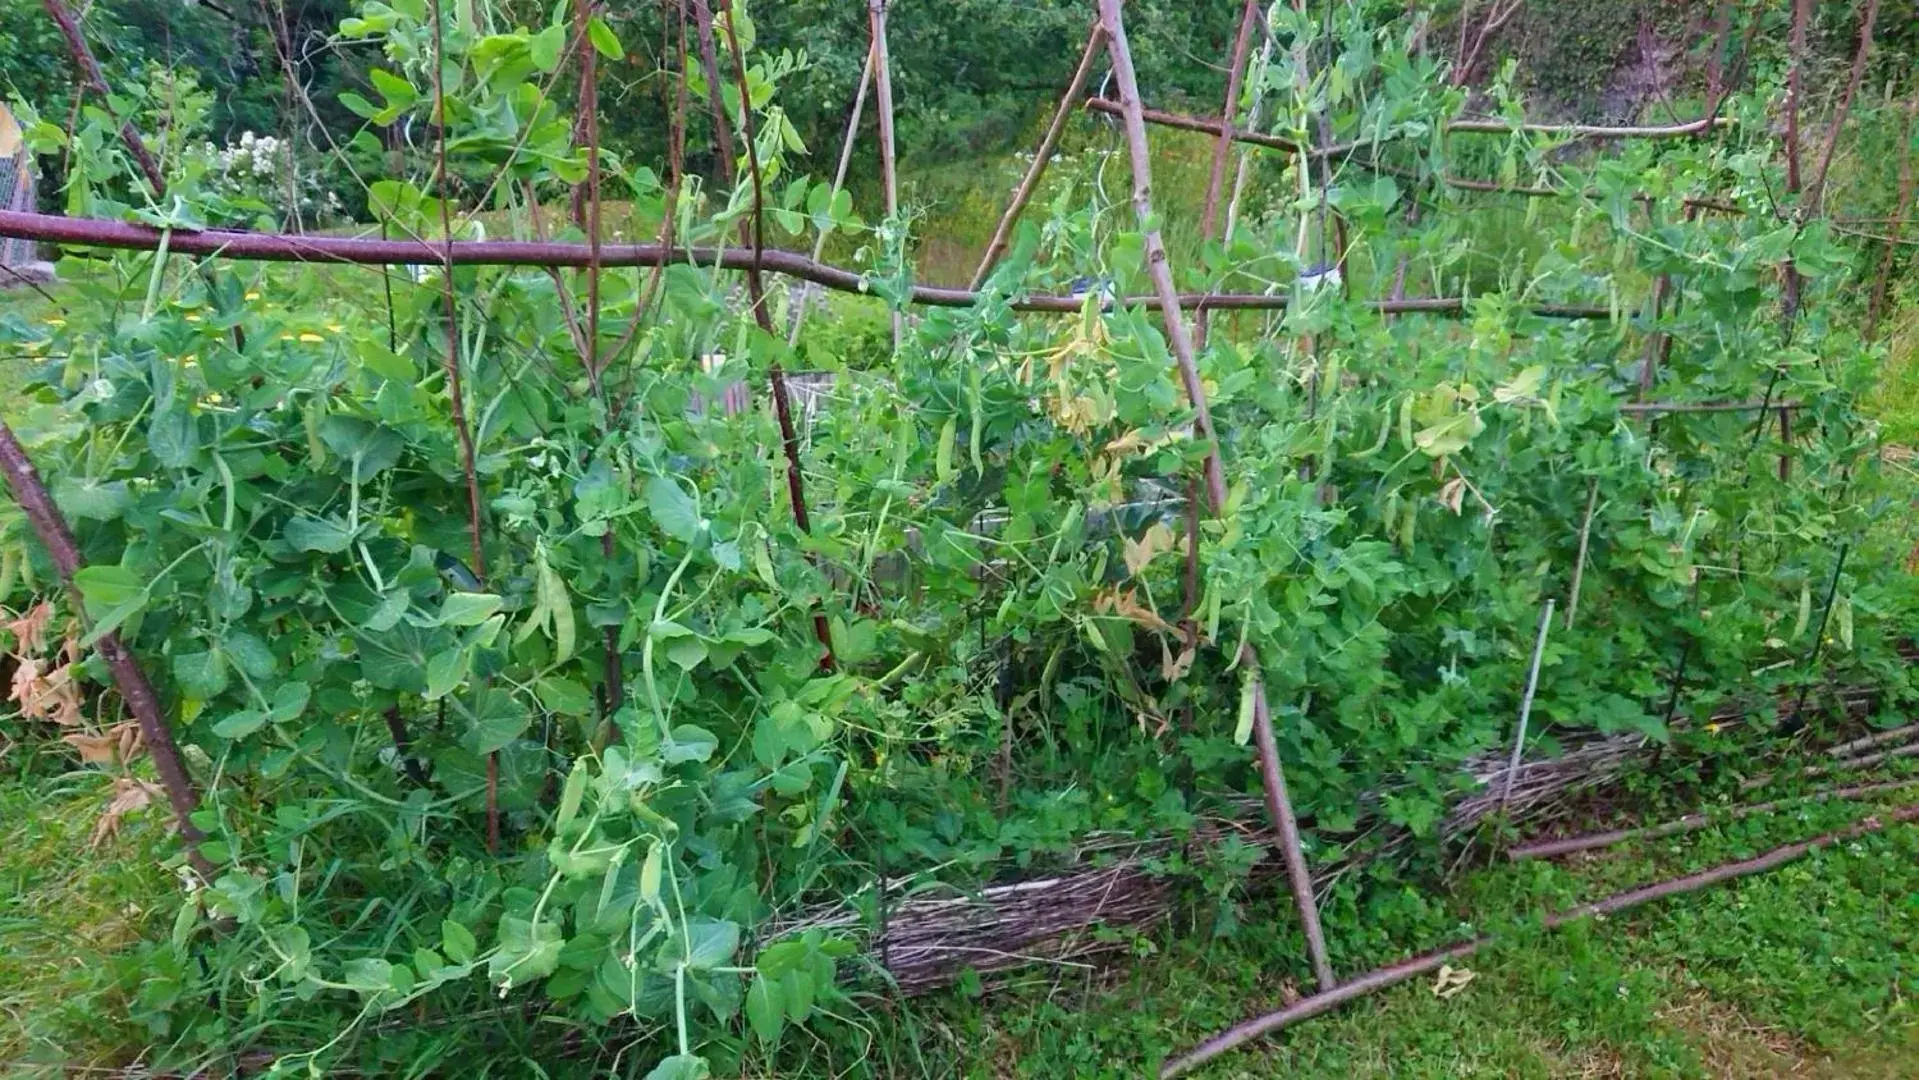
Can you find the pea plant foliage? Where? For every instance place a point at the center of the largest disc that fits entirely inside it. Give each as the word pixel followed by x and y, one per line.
pixel 514 686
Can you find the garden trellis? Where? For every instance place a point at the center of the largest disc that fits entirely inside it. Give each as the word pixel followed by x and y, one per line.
pixel 467 527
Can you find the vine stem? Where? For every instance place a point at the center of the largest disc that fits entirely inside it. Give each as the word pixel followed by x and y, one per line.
pixel 30 492
pixel 1068 103
pixel 1526 702
pixel 1278 803
pixel 1394 974
pixel 756 292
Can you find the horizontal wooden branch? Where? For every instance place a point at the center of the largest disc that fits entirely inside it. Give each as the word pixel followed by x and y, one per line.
pixel 1546 849
pixel 1706 406
pixel 1392 975
pixel 346 250
pixel 1212 126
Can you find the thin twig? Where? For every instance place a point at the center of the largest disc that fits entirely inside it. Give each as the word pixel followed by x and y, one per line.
pixel 1579 564
pixel 1526 702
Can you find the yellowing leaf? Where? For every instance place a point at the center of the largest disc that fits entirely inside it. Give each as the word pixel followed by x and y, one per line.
pixel 1140 553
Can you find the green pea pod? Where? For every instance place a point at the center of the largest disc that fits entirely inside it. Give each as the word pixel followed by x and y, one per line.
pixel 1385 431
pixel 1406 423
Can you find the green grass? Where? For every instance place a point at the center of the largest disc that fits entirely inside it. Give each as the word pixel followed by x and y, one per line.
pixel 1805 971
pixel 67 908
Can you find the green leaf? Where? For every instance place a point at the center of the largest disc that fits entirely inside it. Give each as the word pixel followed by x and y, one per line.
pixel 329 534
pixel 605 42
pixel 469 609
pixel 368 975
pixel 714 941
pixel 766 1009
pixel 496 720
pixel 563 696
pixel 525 952
pixel 109 591
pixel 689 743
pixel 457 942
pixel 544 47
pixel 240 724
pixel 686 652
pixel 680 1067
pixel 91 500
pixel 444 673
pixel 201 675
pixel 799 991
pixel 677 515
pixel 289 701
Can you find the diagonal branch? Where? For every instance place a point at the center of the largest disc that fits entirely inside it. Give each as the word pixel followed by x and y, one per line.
pixel 1029 183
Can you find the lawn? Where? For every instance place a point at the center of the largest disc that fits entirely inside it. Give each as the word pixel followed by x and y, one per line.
pixel 1808 971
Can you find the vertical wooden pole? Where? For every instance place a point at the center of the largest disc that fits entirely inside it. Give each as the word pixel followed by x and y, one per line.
pixel 1877 306
pixel 756 291
pixel 51 528
pixel 889 171
pixel 839 178
pixel 1181 344
pixel 716 105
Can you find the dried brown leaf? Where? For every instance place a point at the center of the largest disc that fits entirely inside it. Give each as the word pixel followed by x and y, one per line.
pixel 29 629
pixel 129 795
pixel 1140 553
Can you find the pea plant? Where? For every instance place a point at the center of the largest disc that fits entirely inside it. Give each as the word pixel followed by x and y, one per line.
pixel 520 667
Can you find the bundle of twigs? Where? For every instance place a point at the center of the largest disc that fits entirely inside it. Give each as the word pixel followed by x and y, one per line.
pixel 923 936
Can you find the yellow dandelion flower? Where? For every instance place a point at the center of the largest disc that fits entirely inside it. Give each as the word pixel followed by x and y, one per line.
pixel 253 296
pixel 193 318
pixel 1712 729
pixel 286 337
pixel 335 328
pixel 311 338
pixel 56 321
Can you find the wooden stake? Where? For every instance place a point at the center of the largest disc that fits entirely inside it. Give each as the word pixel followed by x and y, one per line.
pixel 839 178
pixel 1526 702
pixel 1182 348
pixel 716 105
pixel 1878 302
pixel 889 170
pixel 756 291
pixel 1579 565
pixel 131 680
